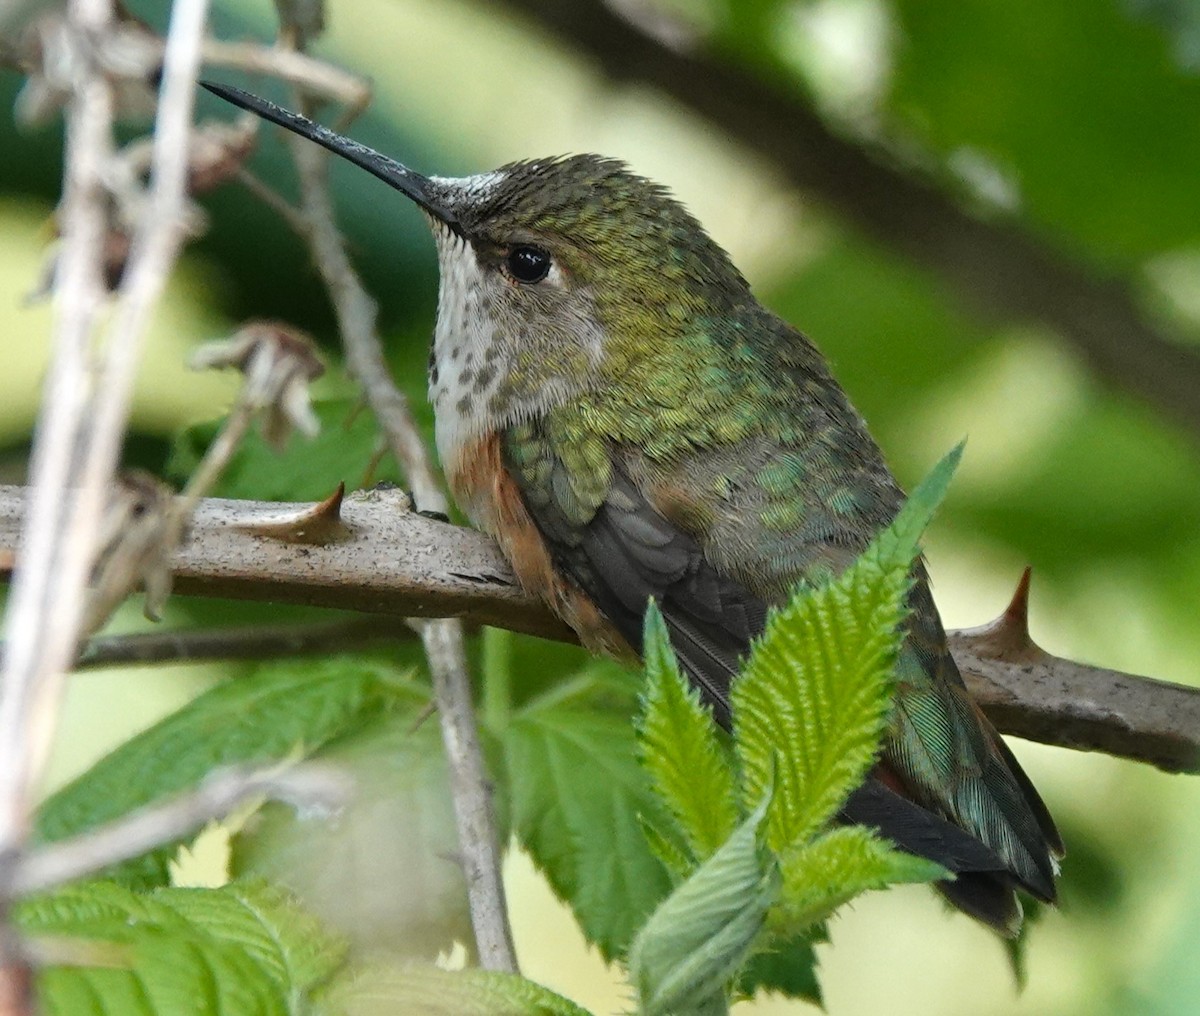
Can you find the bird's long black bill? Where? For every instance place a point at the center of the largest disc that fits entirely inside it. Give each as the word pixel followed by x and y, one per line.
pixel 412 185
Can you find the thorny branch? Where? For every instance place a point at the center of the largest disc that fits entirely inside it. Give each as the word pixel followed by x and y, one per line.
pixel 1027 691
pixel 386 561
pixel 991 264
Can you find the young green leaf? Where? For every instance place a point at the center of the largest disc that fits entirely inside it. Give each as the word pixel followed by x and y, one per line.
pixel 397 989
pixel 901 540
pixel 814 695
pixel 785 966
pixel 576 795
pixel 678 861
pixel 281 708
pixel 241 950
pixel 679 749
pixel 818 877
pixel 286 942
pixel 693 945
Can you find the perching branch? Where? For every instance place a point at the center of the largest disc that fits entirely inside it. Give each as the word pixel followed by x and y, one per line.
pixel 1028 692
pixel 994 265
pixel 389 560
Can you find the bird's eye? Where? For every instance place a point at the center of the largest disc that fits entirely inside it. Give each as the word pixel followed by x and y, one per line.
pixel 528 264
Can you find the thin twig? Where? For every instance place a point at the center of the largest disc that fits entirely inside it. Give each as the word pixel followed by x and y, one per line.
pixel 356 312
pixel 46 603
pixel 273 200
pixel 248 642
pixel 307 786
pixel 44 610
pixel 471 792
pixel 161 231
pixel 316 76
pixel 86 401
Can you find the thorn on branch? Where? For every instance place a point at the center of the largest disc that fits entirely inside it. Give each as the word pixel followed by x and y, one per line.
pixel 319 524
pixel 1007 637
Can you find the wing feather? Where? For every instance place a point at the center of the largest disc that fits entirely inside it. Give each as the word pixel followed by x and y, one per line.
pixel 962 804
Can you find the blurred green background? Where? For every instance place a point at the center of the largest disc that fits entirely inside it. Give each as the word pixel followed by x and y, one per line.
pixel 1082 118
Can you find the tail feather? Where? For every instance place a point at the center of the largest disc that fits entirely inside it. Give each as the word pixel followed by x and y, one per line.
pixel 987 898
pixel 983 886
pixel 944 754
pixel 1032 798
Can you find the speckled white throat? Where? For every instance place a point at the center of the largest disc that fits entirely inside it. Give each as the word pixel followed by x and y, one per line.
pixel 460 387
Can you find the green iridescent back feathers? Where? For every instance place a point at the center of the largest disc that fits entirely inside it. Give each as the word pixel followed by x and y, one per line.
pixel 692 363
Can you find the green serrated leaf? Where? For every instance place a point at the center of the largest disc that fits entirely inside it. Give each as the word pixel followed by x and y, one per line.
pixel 235 951
pixel 674 857
pixel 814 695
pixel 345 450
pixel 897 545
pixel 679 748
pixel 270 714
pixel 698 938
pixel 397 989
pixel 820 876
pixel 576 794
pixel 287 942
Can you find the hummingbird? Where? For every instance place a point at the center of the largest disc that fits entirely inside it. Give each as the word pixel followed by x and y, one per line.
pixel 615 407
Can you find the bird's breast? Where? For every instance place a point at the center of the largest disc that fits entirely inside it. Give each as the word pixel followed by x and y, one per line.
pixel 483 488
